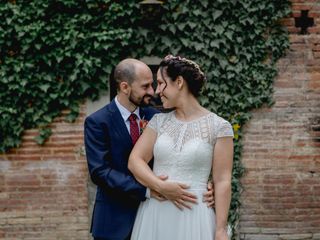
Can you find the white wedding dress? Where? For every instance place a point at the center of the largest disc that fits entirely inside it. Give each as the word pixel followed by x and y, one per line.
pixel 183 151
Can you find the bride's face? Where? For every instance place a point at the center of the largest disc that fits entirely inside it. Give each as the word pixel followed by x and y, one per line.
pixel 166 89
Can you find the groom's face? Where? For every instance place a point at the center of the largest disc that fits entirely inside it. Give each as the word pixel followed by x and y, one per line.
pixel 141 88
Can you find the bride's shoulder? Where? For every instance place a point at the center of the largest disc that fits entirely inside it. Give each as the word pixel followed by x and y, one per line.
pixel 222 126
pixel 217 118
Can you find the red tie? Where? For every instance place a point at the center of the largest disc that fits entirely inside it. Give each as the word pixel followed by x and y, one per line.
pixel 134 128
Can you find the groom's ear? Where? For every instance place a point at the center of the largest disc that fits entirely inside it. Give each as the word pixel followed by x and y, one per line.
pixel 124 87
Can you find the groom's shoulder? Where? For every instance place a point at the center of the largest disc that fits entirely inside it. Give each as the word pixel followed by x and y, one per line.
pixel 150 111
pixel 100 114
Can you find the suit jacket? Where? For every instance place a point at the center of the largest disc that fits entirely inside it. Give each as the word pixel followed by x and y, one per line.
pixel 108 145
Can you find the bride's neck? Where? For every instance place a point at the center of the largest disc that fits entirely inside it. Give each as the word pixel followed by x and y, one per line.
pixel 189 109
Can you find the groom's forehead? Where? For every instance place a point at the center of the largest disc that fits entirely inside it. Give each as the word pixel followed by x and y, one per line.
pixel 143 81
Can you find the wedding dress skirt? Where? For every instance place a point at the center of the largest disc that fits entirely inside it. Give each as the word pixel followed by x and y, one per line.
pixel 183 151
pixel 163 220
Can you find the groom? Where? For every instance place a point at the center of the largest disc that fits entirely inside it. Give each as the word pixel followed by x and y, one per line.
pixel 110 134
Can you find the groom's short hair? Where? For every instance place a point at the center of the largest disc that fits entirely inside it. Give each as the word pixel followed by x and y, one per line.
pixel 125 71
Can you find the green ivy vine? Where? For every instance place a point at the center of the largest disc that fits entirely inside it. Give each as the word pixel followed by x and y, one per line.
pixel 56 53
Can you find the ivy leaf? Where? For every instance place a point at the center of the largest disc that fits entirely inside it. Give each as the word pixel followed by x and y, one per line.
pixel 53 95
pixel 149 48
pixel 37 46
pixel 229 35
pixel 44 134
pixel 197 12
pixel 44 87
pixel 143 32
pixel 223 63
pixel 204 3
pixel 185 42
pixel 214 43
pixel 172 29
pixel 199 46
pixel 216 14
pixel 218 29
pixel 192 25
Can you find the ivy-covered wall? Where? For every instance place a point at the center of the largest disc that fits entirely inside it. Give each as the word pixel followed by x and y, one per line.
pixel 56 53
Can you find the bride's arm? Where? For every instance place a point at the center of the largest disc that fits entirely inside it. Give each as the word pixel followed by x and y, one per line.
pixel 139 158
pixel 141 154
pixel 222 173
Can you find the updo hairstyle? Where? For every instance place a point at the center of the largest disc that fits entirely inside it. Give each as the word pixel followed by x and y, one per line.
pixel 177 66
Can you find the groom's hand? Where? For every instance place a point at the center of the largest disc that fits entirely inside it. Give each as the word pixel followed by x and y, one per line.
pixel 208 197
pixel 156 195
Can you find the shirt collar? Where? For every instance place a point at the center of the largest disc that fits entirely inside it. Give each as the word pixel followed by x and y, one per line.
pixel 125 113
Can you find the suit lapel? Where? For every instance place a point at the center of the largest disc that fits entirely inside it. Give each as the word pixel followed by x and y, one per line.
pixel 118 125
pixel 145 114
pixel 142 113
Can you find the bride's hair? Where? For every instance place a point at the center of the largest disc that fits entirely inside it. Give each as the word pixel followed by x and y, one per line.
pixel 190 71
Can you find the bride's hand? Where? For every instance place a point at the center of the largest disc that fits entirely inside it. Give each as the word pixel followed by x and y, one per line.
pixel 221 234
pixel 177 193
pixel 157 195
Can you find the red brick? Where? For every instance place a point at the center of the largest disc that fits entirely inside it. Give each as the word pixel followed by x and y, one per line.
pixel 316 54
pixel 287 22
pixel 314 83
pixel 315 30
pixel 33 183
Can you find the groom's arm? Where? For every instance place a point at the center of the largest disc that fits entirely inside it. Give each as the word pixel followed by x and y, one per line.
pixel 99 164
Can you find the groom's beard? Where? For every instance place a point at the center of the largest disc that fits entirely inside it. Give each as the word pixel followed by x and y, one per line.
pixel 145 101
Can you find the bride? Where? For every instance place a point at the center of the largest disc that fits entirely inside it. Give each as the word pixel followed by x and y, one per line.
pixel 186 144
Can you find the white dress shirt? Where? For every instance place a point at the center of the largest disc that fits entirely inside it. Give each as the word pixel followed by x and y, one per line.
pixel 125 113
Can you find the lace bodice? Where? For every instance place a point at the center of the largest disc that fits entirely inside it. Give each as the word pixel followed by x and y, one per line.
pixel 184 150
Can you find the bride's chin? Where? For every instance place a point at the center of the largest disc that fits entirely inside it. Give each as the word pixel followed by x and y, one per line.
pixel 166 106
pixel 165 103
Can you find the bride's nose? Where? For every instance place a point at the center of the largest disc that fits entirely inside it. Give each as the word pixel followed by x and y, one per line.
pixel 158 90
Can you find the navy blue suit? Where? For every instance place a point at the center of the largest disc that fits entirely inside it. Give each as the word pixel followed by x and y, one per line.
pixel 108 145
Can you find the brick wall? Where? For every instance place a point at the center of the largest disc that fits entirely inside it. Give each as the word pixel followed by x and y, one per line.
pixel 43 190
pixel 281 198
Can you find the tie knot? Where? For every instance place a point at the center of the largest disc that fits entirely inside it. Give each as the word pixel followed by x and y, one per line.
pixel 132 117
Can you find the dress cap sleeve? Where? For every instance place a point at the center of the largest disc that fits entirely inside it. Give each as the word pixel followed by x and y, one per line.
pixel 225 129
